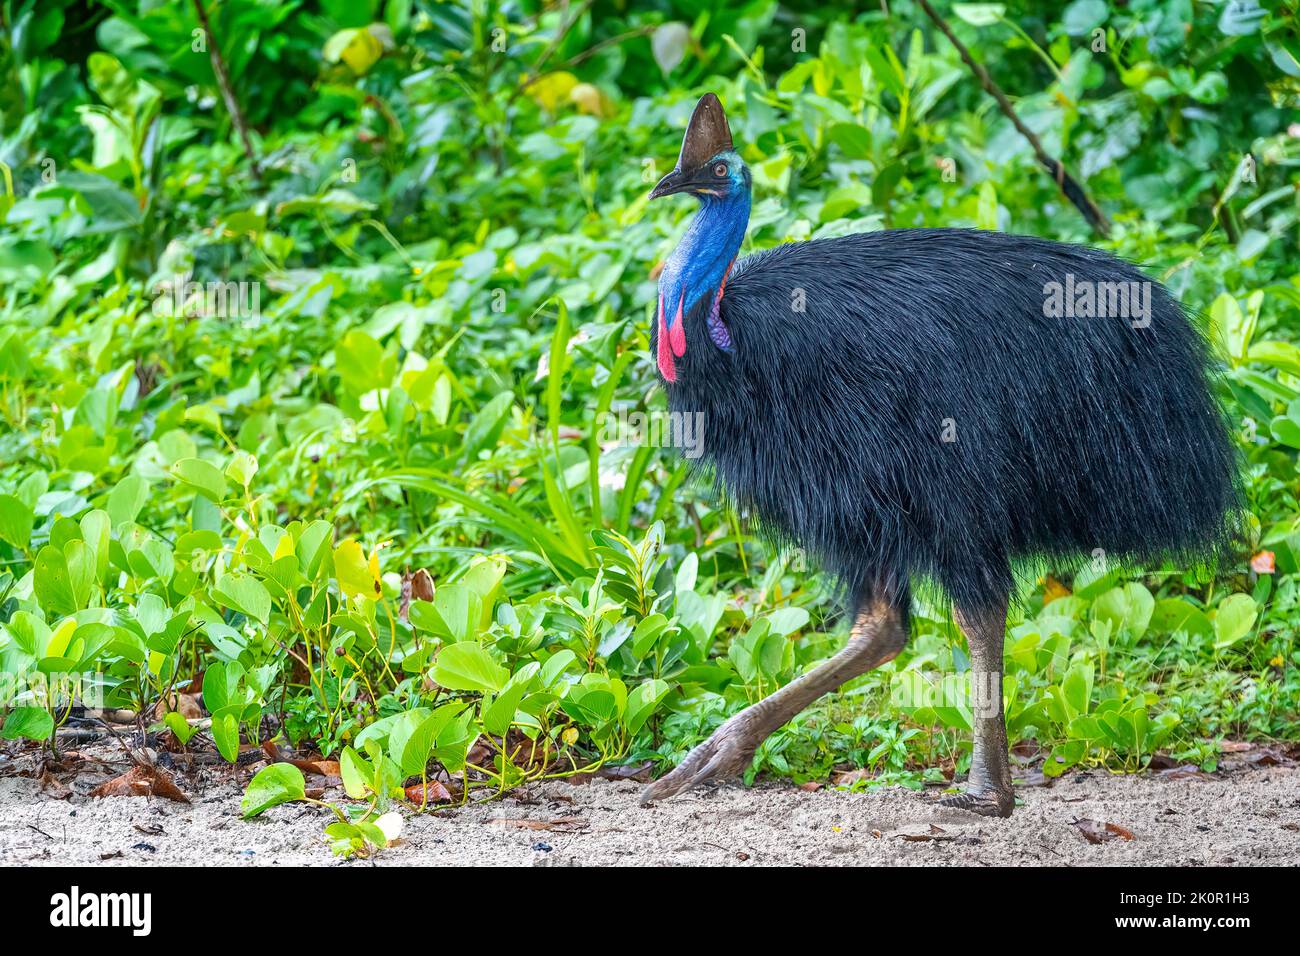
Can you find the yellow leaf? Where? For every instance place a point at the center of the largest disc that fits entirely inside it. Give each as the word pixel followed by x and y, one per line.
pixel 569 736
pixel 284 548
pixel 356 574
pixel 359 48
pixel 551 90
pixel 1053 589
pixel 362 52
pixel 61 638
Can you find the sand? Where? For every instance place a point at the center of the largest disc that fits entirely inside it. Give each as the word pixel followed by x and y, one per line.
pixel 1243 818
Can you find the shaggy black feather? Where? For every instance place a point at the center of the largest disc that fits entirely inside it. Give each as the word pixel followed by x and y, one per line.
pixel 1072 434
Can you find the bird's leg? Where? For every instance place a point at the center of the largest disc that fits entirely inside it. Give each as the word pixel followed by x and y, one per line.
pixel 988 788
pixel 877 636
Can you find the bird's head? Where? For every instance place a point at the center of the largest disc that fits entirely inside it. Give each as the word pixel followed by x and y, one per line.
pixel 708 166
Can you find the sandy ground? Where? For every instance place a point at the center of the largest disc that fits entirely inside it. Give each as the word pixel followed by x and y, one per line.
pixel 1248 817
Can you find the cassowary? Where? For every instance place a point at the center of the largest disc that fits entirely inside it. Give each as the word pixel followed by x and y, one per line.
pixel 939 405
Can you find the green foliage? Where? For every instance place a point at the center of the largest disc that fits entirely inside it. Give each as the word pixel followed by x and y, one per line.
pixel 447 259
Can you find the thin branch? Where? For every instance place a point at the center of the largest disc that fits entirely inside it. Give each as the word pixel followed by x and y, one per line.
pixel 227 93
pixel 1068 185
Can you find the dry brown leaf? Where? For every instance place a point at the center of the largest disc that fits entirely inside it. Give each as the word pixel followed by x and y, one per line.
pixel 54 787
pixel 141 781
pixel 934 833
pixel 846 778
pixel 187 705
pixel 323 768
pixel 422 585
pixel 1094 831
pixel 431 792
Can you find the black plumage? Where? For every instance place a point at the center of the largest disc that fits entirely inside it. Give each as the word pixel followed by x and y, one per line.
pixel 1071 434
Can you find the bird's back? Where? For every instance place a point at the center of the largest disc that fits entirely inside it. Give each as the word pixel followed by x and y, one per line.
pixel 941 402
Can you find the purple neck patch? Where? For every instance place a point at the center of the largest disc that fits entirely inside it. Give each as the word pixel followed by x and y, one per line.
pixel 718 330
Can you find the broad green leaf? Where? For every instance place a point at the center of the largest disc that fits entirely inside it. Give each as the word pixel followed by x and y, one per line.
pixel 279 783
pixel 33 723
pixel 16 520
pixel 469 666
pixel 53 582
pixel 225 731
pixel 245 594
pixel 203 477
pixel 1234 619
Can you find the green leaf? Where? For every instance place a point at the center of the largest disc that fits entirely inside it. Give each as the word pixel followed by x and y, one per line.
pixel 363 363
pixel 279 783
pixel 1241 18
pixel 853 140
pixel 34 723
pixel 356 772
pixel 1174 614
pixel 179 726
pixel 642 701
pixel 980 14
pixel 411 749
pixel 53 582
pixel 225 731
pixel 786 620
pixel 455 614
pixel 203 477
pixel 500 714
pixel 1128 607
pixel 1077 688
pixel 1082 16
pixel 469 666
pixel 1233 328
pixel 16 520
pixel 485 428
pixel 245 594
pixel 1234 620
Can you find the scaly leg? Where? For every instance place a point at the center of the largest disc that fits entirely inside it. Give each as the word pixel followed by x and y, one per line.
pixel 988 788
pixel 877 637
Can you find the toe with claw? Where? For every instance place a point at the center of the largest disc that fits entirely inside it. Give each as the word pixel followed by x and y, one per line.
pixel 985 802
pixel 728 753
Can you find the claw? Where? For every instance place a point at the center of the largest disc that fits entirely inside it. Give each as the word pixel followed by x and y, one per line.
pixel 987 803
pixel 725 754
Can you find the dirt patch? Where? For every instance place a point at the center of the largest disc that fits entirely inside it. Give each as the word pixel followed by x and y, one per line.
pixel 1245 818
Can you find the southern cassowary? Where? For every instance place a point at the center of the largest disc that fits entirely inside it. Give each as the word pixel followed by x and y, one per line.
pixel 939 405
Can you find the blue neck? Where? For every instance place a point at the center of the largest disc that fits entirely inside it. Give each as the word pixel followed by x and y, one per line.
pixel 698 264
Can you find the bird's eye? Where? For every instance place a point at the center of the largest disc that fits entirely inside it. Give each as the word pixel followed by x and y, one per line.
pixel 720 170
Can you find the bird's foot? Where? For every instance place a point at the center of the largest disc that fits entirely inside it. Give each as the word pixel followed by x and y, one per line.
pixel 986 801
pixel 728 753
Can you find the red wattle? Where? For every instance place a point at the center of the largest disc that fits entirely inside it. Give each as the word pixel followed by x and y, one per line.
pixel 677 337
pixel 667 367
